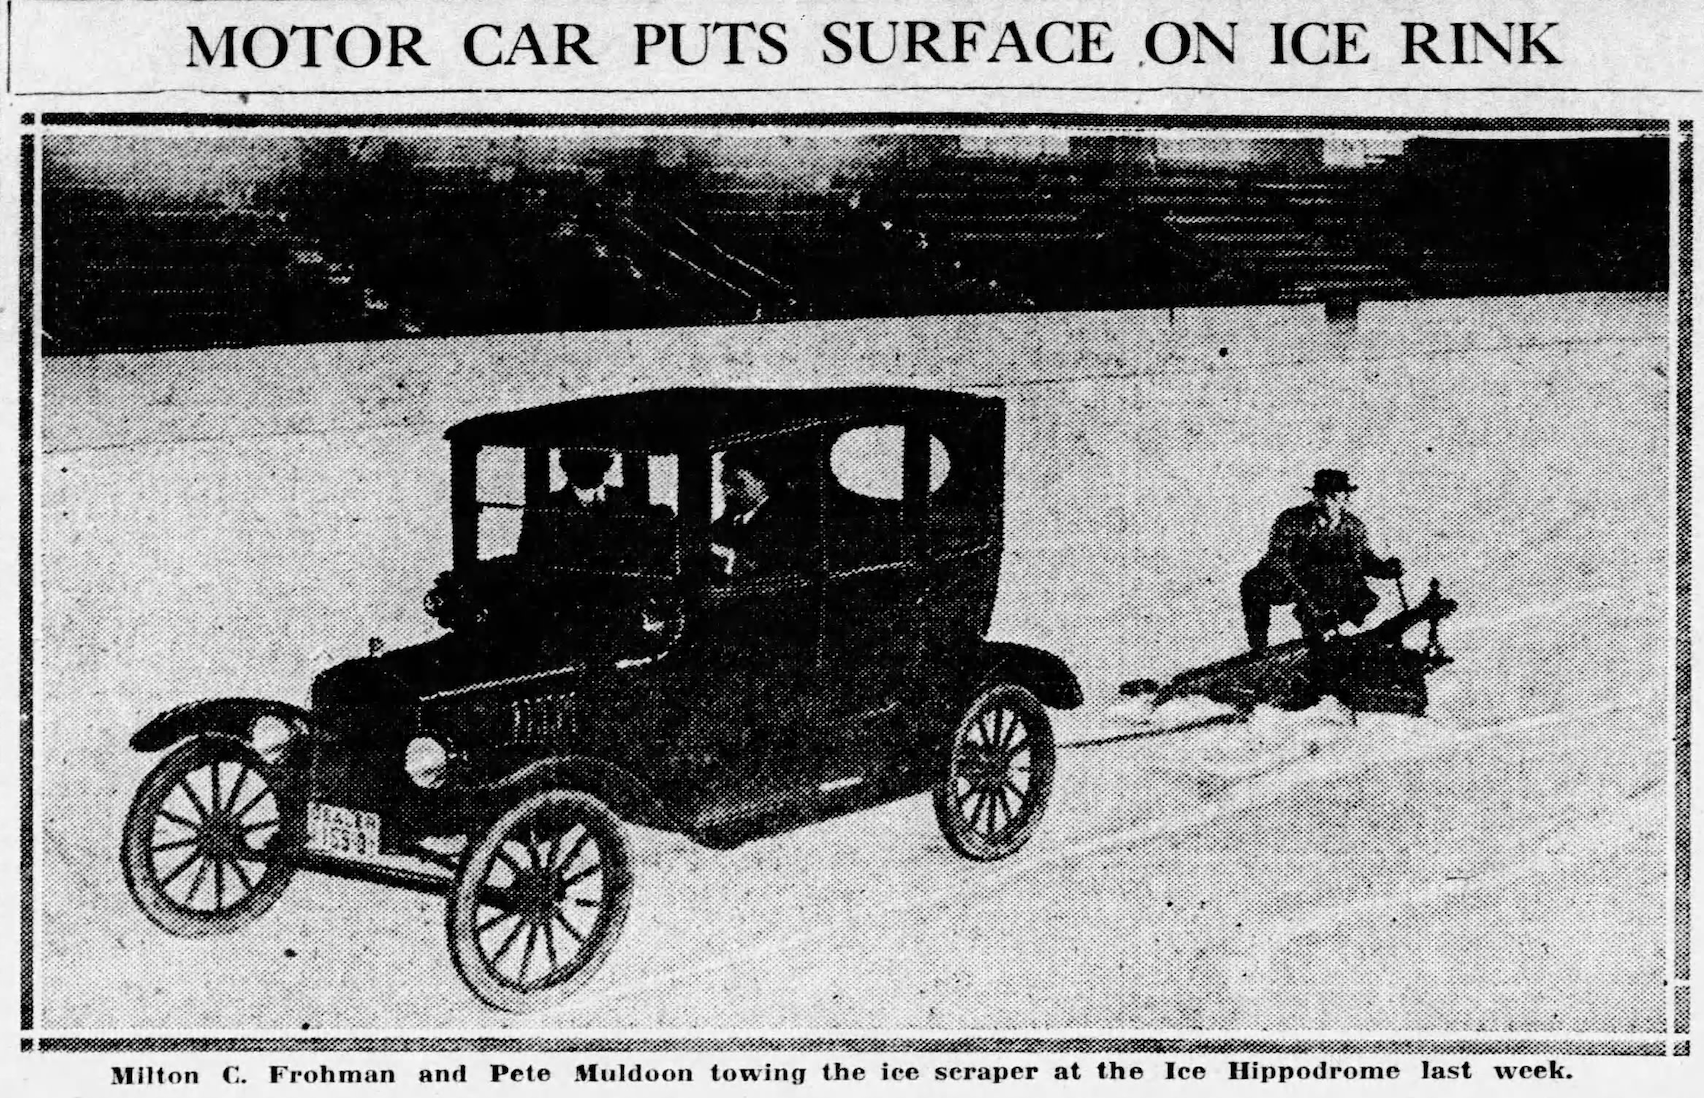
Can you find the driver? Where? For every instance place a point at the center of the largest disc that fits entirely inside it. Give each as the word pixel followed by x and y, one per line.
pixel 564 526
pixel 1318 560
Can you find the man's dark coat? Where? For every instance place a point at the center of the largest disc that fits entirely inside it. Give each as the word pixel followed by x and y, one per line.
pixel 1318 566
pixel 770 540
pixel 565 532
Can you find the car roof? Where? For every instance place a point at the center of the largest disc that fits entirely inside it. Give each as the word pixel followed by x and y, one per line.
pixel 669 420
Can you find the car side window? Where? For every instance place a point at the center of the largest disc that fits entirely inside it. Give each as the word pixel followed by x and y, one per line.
pixel 502 496
pixel 864 525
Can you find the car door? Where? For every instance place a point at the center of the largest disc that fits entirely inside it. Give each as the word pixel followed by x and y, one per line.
pixel 759 661
pixel 872 594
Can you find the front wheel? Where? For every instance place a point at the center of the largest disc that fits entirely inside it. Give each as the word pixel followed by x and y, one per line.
pixel 999 774
pixel 539 901
pixel 192 836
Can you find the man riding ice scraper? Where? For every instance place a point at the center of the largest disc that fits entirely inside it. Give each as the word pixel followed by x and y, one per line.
pixel 1317 561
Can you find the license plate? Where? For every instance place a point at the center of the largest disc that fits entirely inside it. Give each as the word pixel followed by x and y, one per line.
pixel 345 832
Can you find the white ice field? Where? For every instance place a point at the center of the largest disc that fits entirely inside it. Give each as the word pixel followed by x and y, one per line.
pixel 224 523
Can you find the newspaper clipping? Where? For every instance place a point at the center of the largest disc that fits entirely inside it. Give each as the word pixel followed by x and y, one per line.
pixel 847 547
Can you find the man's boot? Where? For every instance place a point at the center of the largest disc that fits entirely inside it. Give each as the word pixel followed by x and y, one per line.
pixel 1257 623
pixel 1257 613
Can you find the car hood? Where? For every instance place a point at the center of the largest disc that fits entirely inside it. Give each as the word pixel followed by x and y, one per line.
pixel 453 661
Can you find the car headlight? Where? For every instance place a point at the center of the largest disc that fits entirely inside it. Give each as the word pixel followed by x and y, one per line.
pixel 427 762
pixel 271 738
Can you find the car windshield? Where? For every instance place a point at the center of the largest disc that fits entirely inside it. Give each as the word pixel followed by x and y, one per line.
pixel 582 510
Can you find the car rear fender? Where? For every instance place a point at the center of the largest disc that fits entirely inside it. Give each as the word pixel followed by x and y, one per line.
pixel 1042 673
pixel 627 795
pixel 227 718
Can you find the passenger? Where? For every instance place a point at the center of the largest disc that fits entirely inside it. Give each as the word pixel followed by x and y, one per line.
pixel 563 527
pixel 754 534
pixel 1318 560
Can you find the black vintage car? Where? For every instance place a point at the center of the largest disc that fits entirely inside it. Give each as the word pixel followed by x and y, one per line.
pixel 770 609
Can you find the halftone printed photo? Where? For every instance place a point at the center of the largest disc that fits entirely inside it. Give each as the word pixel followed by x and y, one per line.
pixel 1010 579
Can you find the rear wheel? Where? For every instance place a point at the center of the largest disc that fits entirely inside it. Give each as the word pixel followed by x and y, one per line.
pixel 192 836
pixel 539 901
pixel 999 774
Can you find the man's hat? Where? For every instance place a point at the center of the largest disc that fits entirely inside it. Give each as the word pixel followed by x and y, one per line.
pixel 586 468
pixel 1327 481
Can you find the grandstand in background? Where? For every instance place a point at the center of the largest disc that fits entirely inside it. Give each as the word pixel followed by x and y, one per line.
pixel 239 241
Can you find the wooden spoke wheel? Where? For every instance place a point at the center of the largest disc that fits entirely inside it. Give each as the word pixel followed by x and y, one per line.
pixel 539 901
pixel 999 775
pixel 193 838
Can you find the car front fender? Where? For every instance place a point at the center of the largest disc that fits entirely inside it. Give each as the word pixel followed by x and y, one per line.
pixel 626 794
pixel 229 718
pixel 1040 672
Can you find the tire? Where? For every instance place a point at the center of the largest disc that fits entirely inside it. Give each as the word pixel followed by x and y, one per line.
pixel 999 766
pixel 564 854
pixel 196 814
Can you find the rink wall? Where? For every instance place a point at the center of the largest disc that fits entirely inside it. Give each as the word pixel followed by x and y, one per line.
pixel 119 400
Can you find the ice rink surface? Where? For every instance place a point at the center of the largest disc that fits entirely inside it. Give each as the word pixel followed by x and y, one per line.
pixel 1500 865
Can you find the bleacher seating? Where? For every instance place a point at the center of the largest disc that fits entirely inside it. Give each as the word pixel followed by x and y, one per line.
pixel 387 247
